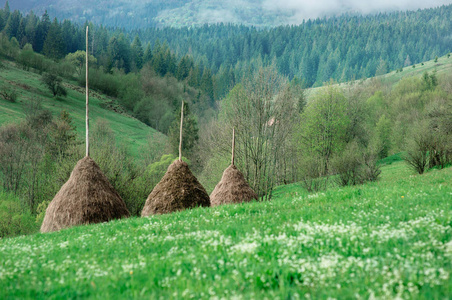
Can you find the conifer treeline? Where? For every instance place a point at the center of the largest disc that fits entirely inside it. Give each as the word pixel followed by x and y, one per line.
pixel 342 48
pixel 214 58
pixel 112 48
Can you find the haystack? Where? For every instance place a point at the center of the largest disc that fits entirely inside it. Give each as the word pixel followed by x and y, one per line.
pixel 232 188
pixel 178 190
pixel 87 197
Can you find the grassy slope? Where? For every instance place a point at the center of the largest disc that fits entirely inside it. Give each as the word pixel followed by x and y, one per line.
pixel 385 239
pixel 127 130
pixel 443 66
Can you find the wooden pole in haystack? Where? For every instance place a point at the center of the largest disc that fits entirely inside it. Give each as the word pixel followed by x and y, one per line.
pixel 87 97
pixel 233 146
pixel 180 136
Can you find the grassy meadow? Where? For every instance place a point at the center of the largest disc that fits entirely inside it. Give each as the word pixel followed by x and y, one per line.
pixel 388 239
pixel 128 131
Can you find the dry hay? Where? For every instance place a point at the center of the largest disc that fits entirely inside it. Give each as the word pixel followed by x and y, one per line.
pixel 232 188
pixel 178 190
pixel 87 197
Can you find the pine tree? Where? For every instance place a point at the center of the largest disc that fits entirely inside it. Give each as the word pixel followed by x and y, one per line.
pixel 147 57
pixel 183 68
pixel 189 132
pixel 41 32
pixel 207 83
pixel 12 25
pixel 21 36
pixel 54 46
pixel 6 11
pixel 137 53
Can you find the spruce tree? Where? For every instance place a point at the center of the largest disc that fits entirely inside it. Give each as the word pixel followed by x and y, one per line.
pixel 137 53
pixel 189 132
pixel 54 45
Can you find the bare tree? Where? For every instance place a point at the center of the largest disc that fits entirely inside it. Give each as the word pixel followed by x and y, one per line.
pixel 262 111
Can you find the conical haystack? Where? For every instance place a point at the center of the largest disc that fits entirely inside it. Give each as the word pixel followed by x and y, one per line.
pixel 178 190
pixel 87 197
pixel 232 188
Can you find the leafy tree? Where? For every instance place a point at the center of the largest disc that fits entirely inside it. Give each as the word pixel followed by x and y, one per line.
pixel 54 84
pixel 383 130
pixel 62 137
pixel 78 59
pixel 324 126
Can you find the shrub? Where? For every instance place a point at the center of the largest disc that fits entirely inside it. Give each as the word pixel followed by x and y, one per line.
pixel 370 170
pixel 312 174
pixel 8 93
pixel 355 165
pixel 417 148
pixel 41 212
pixel 347 165
pixel 108 84
pixel 54 84
pixel 15 219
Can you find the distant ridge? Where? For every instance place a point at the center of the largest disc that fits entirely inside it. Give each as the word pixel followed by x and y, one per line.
pixel 133 14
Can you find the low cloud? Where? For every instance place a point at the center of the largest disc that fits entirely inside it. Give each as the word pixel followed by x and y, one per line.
pixel 303 9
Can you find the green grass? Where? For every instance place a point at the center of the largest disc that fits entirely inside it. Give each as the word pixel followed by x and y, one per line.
pixel 386 239
pixel 128 130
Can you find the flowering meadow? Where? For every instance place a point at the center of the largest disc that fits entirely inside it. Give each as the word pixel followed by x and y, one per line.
pixel 386 240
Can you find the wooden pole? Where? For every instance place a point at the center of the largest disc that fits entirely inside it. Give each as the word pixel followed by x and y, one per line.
pixel 87 97
pixel 233 146
pixel 180 137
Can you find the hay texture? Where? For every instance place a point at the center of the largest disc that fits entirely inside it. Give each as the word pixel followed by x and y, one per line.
pixel 232 188
pixel 178 190
pixel 87 197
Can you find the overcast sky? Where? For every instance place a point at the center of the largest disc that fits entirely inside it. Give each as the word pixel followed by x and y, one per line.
pixel 305 9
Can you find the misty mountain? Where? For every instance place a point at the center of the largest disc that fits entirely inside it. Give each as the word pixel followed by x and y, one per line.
pixel 177 13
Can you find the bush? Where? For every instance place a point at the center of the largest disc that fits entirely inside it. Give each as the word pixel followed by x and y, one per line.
pixel 439 115
pixel 370 170
pixel 347 165
pixel 8 93
pixel 15 219
pixel 54 84
pixel 312 174
pixel 417 148
pixel 41 211
pixel 63 69
pixel 355 165
pixel 108 84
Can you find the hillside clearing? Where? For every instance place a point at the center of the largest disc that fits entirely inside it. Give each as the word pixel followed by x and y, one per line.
pixel 128 131
pixel 442 67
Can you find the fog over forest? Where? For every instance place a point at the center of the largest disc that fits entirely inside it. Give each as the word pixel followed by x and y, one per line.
pixel 303 9
pixel 144 13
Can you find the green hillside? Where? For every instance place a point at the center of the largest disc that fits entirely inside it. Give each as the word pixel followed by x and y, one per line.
pixel 443 66
pixel 390 239
pixel 128 131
